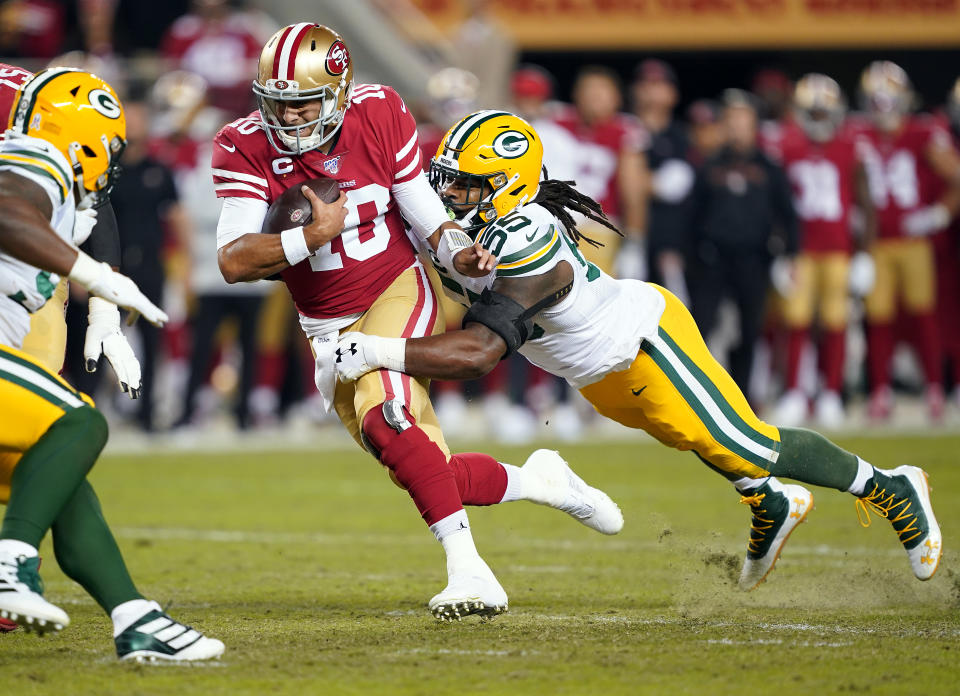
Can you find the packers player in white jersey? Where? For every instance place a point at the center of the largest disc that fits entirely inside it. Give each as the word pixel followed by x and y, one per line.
pixel 631 348
pixel 58 155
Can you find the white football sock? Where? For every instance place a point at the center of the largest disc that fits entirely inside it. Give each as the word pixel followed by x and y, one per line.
pixel 864 474
pixel 17 548
pixel 453 532
pixel 514 483
pixel 126 614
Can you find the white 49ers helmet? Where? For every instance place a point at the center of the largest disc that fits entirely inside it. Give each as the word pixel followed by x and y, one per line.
pixel 819 106
pixel 886 93
pixel 301 63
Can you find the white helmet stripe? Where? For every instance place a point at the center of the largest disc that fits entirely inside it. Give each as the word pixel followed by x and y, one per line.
pixel 466 126
pixel 30 88
pixel 288 55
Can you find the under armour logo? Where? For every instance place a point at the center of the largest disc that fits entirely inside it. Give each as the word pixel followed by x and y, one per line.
pixel 463 525
pixel 340 352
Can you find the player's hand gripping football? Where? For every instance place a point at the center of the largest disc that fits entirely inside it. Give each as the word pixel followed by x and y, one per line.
pixel 327 219
pixel 105 337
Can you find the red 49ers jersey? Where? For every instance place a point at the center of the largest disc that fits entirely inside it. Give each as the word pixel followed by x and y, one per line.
pixel 376 148
pixel 598 154
pixel 900 177
pixel 823 176
pixel 11 77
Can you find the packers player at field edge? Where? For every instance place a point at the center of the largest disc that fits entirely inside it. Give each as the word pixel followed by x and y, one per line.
pixel 631 348
pixel 59 153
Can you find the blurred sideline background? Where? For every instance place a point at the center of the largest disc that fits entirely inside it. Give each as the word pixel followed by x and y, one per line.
pixel 655 99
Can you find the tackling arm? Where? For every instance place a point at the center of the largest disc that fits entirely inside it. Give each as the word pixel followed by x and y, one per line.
pixel 468 353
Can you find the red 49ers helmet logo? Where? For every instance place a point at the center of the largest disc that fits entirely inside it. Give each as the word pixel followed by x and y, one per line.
pixel 337 58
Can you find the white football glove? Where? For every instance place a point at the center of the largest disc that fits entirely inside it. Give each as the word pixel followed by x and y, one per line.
pixel 103 281
pixel 83 223
pixel 631 260
pixel 862 274
pixel 105 337
pixel 357 354
pixel 926 221
pixel 781 275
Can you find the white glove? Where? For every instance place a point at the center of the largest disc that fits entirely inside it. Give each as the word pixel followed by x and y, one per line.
pixel 862 274
pixel 781 275
pixel 631 260
pixel 357 354
pixel 105 337
pixel 103 281
pixel 83 223
pixel 926 221
pixel 673 180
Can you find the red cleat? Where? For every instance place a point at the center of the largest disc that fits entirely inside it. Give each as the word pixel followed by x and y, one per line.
pixel 7 626
pixel 936 402
pixel 881 404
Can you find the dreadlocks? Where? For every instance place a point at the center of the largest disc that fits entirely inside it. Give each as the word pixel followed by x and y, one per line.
pixel 559 197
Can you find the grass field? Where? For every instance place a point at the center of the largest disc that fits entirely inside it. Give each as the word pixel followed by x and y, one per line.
pixel 315 571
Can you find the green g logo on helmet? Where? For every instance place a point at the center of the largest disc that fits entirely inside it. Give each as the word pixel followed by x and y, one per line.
pixel 105 103
pixel 511 144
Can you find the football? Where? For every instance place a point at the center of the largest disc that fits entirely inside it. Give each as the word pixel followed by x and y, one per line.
pixel 292 209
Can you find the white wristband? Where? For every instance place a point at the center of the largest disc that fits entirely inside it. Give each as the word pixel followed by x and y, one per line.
pixel 85 270
pixel 294 245
pixel 392 353
pixel 451 243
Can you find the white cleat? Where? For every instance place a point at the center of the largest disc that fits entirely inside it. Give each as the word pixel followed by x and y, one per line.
pixel 156 637
pixel 828 411
pixel 777 510
pixel 902 496
pixel 552 482
pixel 21 596
pixel 792 409
pixel 471 591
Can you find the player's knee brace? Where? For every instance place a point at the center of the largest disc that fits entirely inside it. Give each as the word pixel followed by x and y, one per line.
pixel 391 435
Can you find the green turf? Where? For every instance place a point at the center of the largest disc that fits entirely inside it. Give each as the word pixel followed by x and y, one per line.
pixel 315 571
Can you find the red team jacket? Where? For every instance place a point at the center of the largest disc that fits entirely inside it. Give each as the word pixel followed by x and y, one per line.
pixel 375 149
pixel 823 177
pixel 901 180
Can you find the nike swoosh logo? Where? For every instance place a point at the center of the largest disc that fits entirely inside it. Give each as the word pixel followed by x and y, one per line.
pixel 637 392
pixel 531 236
pixel 232 148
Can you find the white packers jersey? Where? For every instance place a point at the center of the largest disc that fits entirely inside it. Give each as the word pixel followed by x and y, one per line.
pixel 24 288
pixel 594 330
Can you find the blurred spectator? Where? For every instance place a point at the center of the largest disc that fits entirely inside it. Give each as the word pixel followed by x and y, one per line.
pixel 774 92
pixel 186 126
pixel 947 252
pixel 706 130
pixel 828 181
pixel 531 89
pixel 741 215
pixel 485 48
pixel 914 176
pixel 611 169
pixel 220 44
pixel 31 28
pixel 655 95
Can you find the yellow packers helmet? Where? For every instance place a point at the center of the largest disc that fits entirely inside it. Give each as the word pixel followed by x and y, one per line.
pixel 819 106
pixel 300 63
pixel 497 157
pixel 886 94
pixel 81 116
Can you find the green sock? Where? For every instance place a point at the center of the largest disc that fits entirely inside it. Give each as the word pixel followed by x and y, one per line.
pixel 88 553
pixel 48 474
pixel 811 458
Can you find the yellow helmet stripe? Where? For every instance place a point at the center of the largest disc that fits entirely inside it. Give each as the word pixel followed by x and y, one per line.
pixel 39 168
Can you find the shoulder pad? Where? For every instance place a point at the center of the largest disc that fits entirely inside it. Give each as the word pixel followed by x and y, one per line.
pixel 524 241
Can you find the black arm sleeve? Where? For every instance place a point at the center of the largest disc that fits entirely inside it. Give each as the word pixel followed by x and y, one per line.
pixel 504 316
pixel 784 210
pixel 103 244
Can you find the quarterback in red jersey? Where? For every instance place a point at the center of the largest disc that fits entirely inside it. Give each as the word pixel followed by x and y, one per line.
pixel 827 180
pixel 355 268
pixel 904 156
